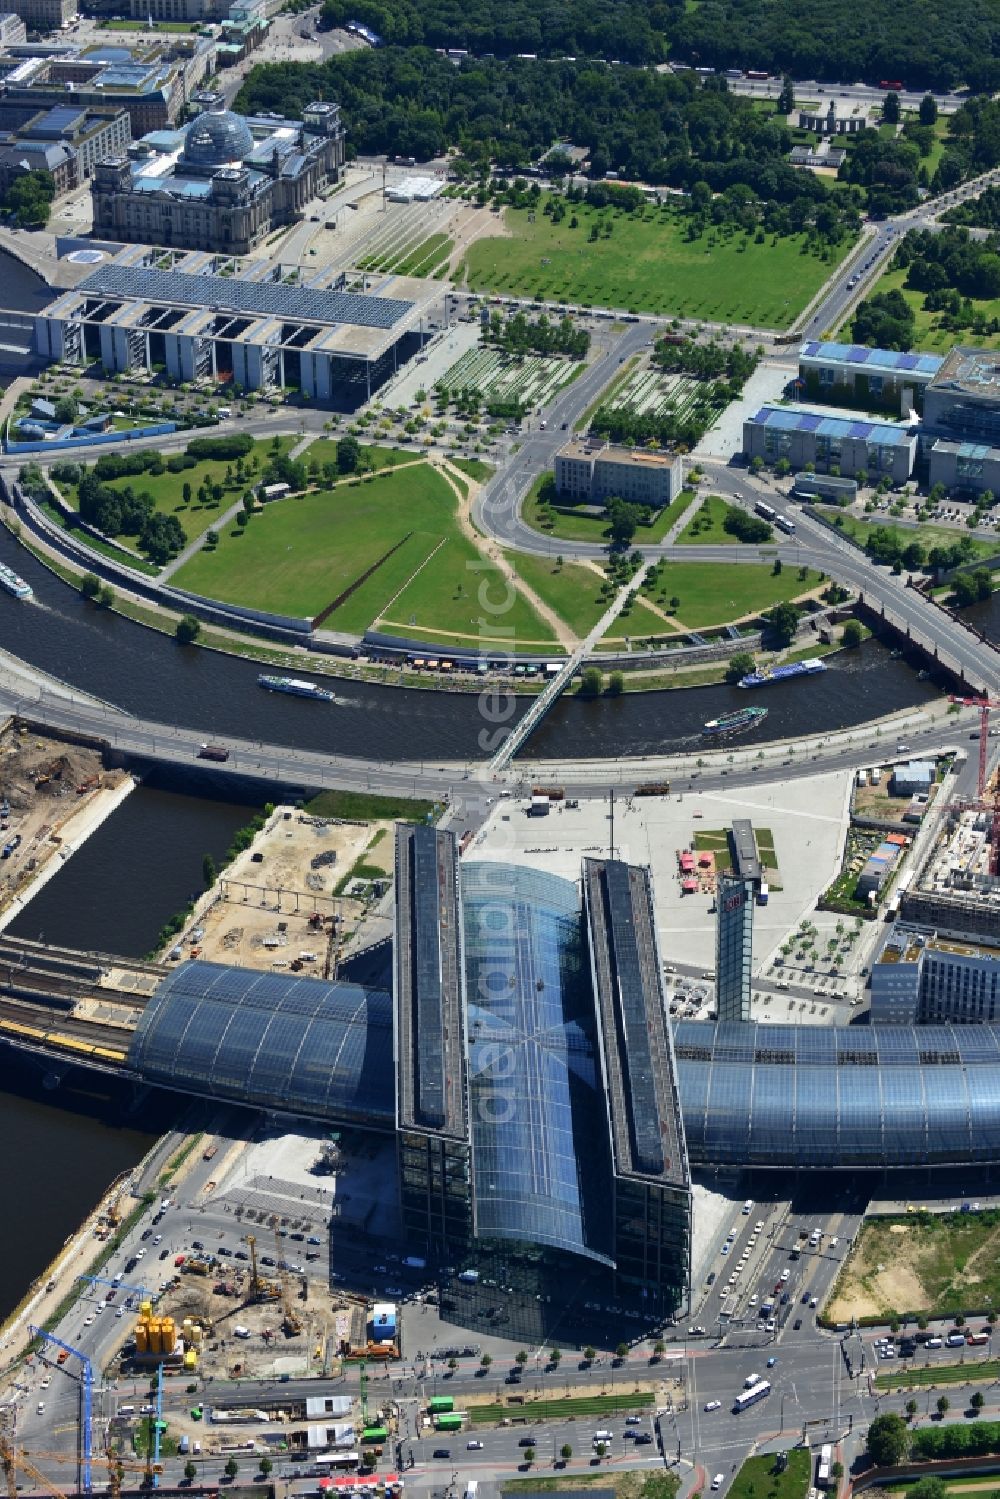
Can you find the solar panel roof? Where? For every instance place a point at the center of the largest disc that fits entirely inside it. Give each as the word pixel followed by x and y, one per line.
pixel 794 419
pixel 362 311
pixel 872 359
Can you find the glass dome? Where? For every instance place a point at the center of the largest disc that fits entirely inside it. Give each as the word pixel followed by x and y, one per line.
pixel 216 139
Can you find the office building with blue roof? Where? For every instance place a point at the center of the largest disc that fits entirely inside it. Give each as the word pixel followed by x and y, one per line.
pixel 874 379
pixel 849 444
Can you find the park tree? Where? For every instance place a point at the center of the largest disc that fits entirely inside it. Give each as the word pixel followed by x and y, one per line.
pixel 265 1466
pixel 90 585
pixel 624 518
pixel 589 1354
pixel 928 1488
pixel 565 1452
pixel 208 871
pixel 621 1351
pixel 529 1455
pixel 555 1356
pixel 453 1364
pixel 67 410
pixel 928 110
pixel 521 1357
pixel 888 1440
pixel 890 108
pixel 485 1361
pixel 348 454
pixel 232 1468
pixel 590 682
pixel 616 683
pixel 188 629
pixel 190 1471
pixel 786 99
pixel 836 1471
pixel 943 1405
pixel 783 620
pixel 977 1401
pixel 852 634
pixel 911 1409
pixel 740 665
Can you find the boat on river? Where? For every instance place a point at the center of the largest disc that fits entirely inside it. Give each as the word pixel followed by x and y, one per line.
pixel 296 686
pixel 734 723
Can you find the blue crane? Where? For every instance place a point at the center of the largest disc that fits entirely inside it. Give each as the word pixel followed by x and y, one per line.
pixel 87 1389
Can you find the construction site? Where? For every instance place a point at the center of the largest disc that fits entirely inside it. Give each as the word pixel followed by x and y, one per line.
pixel 53 795
pixel 294 899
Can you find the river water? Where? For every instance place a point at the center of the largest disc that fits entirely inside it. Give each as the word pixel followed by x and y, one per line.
pixel 62 1148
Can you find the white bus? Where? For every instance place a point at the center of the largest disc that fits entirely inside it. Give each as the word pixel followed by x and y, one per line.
pixel 336 1460
pixel 768 512
pixel 784 524
pixel 823 1467
pixel 746 1398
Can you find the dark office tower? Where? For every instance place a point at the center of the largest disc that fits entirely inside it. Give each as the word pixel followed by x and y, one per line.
pixel 733 948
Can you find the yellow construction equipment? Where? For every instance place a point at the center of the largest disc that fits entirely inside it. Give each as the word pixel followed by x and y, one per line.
pixel 291 1321
pixel 259 1289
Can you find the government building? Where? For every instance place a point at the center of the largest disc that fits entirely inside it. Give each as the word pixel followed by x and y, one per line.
pixel 221 183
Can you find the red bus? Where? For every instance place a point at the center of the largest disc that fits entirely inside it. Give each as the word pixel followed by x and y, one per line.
pixel 757 74
pixel 893 84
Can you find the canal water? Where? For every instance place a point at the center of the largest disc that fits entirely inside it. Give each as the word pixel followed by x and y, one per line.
pixel 63 1147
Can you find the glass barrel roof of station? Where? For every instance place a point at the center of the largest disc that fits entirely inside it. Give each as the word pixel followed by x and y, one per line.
pixel 271 1040
pixel 814 1096
pixel 539 1129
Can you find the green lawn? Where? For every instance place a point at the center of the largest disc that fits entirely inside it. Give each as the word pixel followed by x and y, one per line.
pixel 931 334
pixel 555 1410
pixel 583 527
pixel 975 1367
pixel 475 468
pixel 167 489
pixel 758 1476
pixel 572 590
pixel 705 528
pixel 361 806
pixel 713 593
pixel 299 555
pixel 324 450
pixel 859 527
pixel 648 264
pixel 453 600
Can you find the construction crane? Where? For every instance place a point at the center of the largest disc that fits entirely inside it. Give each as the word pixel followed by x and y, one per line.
pixel 984 704
pixel 116 1465
pixel 86 1393
pixel 10 1461
pixel 259 1289
pixel 291 1321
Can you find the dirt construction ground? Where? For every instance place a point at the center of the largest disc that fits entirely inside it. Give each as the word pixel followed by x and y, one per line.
pixel 938 1264
pixel 277 905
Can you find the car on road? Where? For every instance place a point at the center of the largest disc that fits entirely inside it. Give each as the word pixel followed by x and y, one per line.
pixel 266 1259
pixel 718 1480
pixel 45 1383
pixel 140 1253
pixel 771 1362
pixel 934 1343
pixel 633 1420
pixel 314 1239
pixel 40 1408
pixel 120 1312
pixel 147 1233
pixel 642 1436
pixel 796 1324
pixel 197 1244
pixel 713 1405
pixel 164 1253
pixel 473 1446
pixel 442 1452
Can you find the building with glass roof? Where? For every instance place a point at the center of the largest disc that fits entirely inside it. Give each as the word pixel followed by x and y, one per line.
pixel 852 374
pixel 803 436
pixel 255 322
pixel 221 183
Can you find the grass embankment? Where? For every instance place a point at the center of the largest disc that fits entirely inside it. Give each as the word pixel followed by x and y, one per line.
pixel 708 594
pixel 921 1263
pixel 859 528
pixel 367 806
pixel 572 589
pixel 648 264
pixel 558 1410
pixel 424 576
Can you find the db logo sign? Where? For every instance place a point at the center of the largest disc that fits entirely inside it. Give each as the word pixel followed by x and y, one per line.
pixel 733 902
